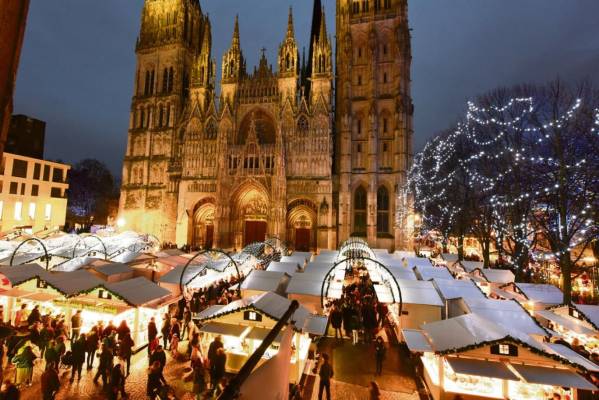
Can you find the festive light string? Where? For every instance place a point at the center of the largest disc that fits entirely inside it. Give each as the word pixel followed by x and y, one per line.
pixel 431 185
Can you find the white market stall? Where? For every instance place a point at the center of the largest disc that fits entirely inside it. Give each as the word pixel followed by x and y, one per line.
pixel 243 324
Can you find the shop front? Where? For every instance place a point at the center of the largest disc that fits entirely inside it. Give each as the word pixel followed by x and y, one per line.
pixel 243 325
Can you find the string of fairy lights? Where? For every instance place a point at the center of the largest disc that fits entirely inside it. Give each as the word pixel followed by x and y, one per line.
pixel 497 152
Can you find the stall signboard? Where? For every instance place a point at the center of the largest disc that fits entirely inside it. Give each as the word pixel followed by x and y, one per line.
pixel 101 308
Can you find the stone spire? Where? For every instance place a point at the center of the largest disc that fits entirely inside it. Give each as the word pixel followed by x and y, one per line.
pixel 290 30
pixel 233 67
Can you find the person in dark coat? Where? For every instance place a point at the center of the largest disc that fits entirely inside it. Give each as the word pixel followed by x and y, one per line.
pixel 369 321
pixel 91 346
pixel 186 322
pixel 122 330
pixel 325 373
pixel 50 383
pixel 166 330
pixel 346 310
pixel 76 323
pixel 217 370
pixel 159 356
pixel 78 357
pixel 379 354
pixel 117 383
pixel 105 367
pixel 155 380
pixel 216 344
pixel 126 350
pixel 336 320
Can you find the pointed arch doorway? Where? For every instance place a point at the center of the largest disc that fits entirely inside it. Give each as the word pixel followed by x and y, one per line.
pixel 203 225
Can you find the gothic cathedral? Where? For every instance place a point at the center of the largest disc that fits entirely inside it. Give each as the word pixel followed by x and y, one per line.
pixel 312 152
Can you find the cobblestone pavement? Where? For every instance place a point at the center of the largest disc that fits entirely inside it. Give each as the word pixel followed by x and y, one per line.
pixel 135 386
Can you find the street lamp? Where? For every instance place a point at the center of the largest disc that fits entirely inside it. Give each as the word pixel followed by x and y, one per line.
pixel 121 222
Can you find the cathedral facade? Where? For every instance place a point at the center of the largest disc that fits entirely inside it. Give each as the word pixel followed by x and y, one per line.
pixel 312 151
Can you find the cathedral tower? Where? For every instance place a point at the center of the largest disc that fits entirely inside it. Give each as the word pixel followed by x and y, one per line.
pixel 171 45
pixel 373 118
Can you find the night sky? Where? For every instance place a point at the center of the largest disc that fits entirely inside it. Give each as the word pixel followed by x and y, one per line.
pixel 78 60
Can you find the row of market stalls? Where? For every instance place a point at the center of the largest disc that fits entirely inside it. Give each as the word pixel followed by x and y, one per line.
pixel 479 334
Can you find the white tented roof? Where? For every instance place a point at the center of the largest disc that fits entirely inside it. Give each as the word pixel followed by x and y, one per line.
pixel 507 294
pixel 306 255
pixel 419 292
pixel 401 254
pixel 274 306
pixel 325 252
pixel 591 312
pixel 541 293
pixel 553 377
pixel 403 274
pixel 294 259
pixel 325 258
pixel 507 313
pixel 470 266
pixel 304 287
pixel 138 291
pixel 454 288
pixel 266 281
pixel 416 341
pixel 289 268
pixel 573 357
pixel 383 294
pixel 498 275
pixel 450 258
pixel 470 330
pixel 570 323
pixel 428 273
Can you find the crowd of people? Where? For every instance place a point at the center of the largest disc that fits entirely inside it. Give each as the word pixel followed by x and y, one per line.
pixel 59 345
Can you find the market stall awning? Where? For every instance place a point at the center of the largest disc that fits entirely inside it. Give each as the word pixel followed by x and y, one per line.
pixel 138 291
pixel 506 294
pixel 428 273
pixel 541 292
pixel 289 268
pixel 573 357
pixel 14 293
pixel 488 369
pixel 553 377
pixel 416 341
pixel 456 288
pixel 21 273
pixel 567 322
pixel 316 325
pixel 260 333
pixel 218 328
pixel 498 275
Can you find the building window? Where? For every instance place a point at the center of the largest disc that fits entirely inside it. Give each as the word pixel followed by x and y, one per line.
pixel 365 6
pixel 359 80
pixel 303 126
pixel 377 5
pixel 384 125
pixel 14 187
pixel 385 49
pixel 387 3
pixel 384 77
pixel 46 173
pixel 165 81
pixel 382 204
pixel 359 148
pixel 19 168
pixel 18 210
pixel 56 193
pixel 57 175
pixel 35 190
pixel 32 210
pixel 360 211
pixel 171 79
pixel 37 170
pixel 359 126
pixel 22 189
pixel 356 7
pixel 48 212
pixel 385 147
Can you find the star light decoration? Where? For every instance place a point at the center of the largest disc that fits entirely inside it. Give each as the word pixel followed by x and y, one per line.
pixel 437 167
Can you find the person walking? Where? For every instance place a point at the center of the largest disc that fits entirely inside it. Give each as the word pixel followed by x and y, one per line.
pixel 50 382
pixel 217 370
pixel 76 323
pixel 152 334
pixel 117 383
pixel 78 357
pixel 105 366
pixel 51 354
pixel 325 374
pixel 21 316
pixel 186 323
pixel 155 380
pixel 355 325
pixel 379 353
pixel 216 344
pixel 336 320
pixel 126 345
pixel 34 316
pixel 166 330
pixel 91 346
pixel 24 364
pixel 374 391
pixel 159 356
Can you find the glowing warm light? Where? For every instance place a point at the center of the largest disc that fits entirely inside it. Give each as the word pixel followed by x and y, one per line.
pixel 121 222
